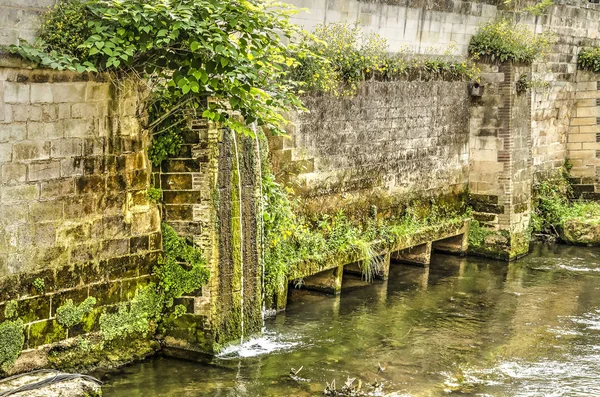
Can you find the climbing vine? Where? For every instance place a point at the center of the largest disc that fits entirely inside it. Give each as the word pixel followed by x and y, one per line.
pixel 185 51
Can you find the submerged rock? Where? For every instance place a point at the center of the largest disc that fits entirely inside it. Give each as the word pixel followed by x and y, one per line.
pixel 50 383
pixel 581 231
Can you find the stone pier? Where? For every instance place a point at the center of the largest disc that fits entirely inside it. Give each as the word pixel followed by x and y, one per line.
pixel 501 172
pixel 419 255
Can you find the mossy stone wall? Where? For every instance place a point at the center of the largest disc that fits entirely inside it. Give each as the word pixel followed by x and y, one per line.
pixel 74 217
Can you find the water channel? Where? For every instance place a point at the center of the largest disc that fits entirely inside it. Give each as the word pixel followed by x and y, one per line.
pixel 466 326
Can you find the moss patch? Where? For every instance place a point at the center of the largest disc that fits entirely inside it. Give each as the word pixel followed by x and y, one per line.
pixel 12 338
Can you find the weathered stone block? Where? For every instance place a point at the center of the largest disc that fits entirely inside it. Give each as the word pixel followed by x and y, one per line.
pixel 19 193
pixel 43 131
pixel 44 333
pixel 31 150
pixel 71 167
pixel 44 170
pixel 90 184
pixel 69 92
pixel 78 128
pixel 42 211
pixel 14 173
pixel 41 93
pixel 13 132
pixel 68 147
pixel 16 93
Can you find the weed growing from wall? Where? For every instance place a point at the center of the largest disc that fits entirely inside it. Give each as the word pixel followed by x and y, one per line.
pixel 502 41
pixel 69 314
pixel 154 195
pixel 39 284
pixel 176 280
pixel 589 59
pixel 136 318
pixel 11 309
pixel 552 206
pixel 351 56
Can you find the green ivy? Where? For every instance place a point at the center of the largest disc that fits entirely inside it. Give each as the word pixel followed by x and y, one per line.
pixel 589 59
pixel 502 40
pixel 12 338
pixel 70 314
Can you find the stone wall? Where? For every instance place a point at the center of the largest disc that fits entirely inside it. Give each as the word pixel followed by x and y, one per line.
pixel 419 27
pixel 73 207
pixel 19 19
pixel 432 27
pixel 389 141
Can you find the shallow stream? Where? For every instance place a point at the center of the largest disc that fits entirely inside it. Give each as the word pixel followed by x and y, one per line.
pixel 465 326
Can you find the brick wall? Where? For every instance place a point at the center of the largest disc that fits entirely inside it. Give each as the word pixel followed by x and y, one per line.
pixel 73 207
pixel 389 141
pixel 583 144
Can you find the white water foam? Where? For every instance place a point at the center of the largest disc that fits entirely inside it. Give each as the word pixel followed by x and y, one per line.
pixel 265 344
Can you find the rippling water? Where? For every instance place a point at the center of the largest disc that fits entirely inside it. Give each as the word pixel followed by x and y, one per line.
pixel 466 326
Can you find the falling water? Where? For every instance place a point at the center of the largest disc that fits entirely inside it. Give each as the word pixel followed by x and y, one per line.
pixel 237 157
pixel 262 226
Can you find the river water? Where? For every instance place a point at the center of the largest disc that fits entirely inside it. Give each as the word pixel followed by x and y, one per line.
pixel 465 326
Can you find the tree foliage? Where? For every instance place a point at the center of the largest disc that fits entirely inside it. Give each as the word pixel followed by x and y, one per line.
pixel 187 50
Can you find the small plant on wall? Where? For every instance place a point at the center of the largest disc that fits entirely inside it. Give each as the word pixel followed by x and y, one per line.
pixel 503 40
pixel 589 59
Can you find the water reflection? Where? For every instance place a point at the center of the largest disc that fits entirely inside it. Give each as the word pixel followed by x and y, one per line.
pixel 465 325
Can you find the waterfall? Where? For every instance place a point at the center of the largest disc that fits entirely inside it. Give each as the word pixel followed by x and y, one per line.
pixel 262 227
pixel 237 157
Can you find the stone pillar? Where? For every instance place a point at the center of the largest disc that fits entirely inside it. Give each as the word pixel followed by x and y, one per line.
pixel 500 161
pixel 419 255
pixel 583 139
pixel 202 198
pixel 328 281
